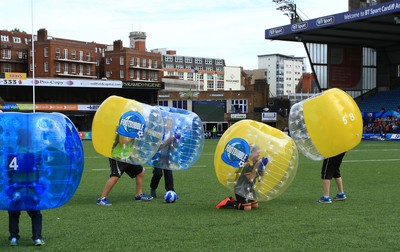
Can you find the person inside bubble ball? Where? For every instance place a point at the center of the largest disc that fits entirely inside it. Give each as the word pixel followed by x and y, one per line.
pixel 253 170
pixel 122 147
pixel 121 150
pixel 168 143
pixel 331 169
pixel 14 215
pixel 17 185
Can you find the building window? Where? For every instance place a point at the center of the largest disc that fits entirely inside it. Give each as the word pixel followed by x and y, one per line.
pixel 152 76
pixel 188 60
pixel 6 54
pixel 180 75
pixel 144 63
pixel 131 61
pixel 131 74
pixel 239 106
pixel 58 51
pixel 108 74
pixel 4 38
pixel 156 64
pixel 398 70
pixel 87 56
pixel 65 53
pixel 88 70
pixel 46 52
pixel 168 59
pixel 80 69
pixel 46 67
pixel 179 104
pixel 143 75
pixel 163 103
pixel 121 74
pixel 108 61
pixel 198 61
pixel 20 55
pixel 6 67
pixel 121 60
pixel 209 68
pixel 218 62
pixel 73 54
pixel 80 55
pixel 137 74
pixel 58 67
pixel 210 85
pixel 220 85
pixel 65 68
pixel 73 69
pixel 150 63
pixel 208 61
pixel 178 59
pixel 137 61
pixel 17 40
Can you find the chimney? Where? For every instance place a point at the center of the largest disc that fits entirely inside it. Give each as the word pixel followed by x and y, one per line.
pixel 42 35
pixel 138 40
pixel 118 45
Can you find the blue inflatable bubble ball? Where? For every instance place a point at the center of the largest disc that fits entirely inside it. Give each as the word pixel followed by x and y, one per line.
pixel 170 197
pixel 41 162
pixel 182 142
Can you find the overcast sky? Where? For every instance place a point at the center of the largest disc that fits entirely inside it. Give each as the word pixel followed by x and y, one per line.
pixel 227 29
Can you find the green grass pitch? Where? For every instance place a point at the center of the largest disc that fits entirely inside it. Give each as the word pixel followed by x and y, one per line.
pixel 367 221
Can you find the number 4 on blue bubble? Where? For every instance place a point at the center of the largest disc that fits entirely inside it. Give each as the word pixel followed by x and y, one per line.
pixel 13 164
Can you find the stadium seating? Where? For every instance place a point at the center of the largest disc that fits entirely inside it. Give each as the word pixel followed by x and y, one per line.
pixel 385 99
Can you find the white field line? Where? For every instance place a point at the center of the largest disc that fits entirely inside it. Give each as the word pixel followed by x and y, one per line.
pixel 372 160
pixel 376 150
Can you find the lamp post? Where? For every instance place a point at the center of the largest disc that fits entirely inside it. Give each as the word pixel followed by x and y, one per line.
pixel 288 7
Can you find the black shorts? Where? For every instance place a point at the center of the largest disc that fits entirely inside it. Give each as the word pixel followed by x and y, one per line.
pixel 118 168
pixel 244 201
pixel 331 167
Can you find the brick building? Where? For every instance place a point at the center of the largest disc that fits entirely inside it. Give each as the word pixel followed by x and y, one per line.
pixel 64 58
pixel 14 51
pixel 200 81
pixel 134 63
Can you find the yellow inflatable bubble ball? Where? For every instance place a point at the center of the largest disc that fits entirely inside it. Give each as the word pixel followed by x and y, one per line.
pixel 255 161
pixel 326 124
pixel 127 130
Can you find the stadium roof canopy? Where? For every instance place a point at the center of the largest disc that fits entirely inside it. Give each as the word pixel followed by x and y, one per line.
pixel 376 26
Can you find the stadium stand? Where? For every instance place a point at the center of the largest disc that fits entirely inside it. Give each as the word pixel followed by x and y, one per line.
pixel 384 99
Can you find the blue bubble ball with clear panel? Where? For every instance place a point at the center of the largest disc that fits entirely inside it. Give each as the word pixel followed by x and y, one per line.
pixel 185 131
pixel 41 163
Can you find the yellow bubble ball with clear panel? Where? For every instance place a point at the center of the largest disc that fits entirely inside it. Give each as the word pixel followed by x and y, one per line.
pixel 109 118
pixel 233 149
pixel 326 124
